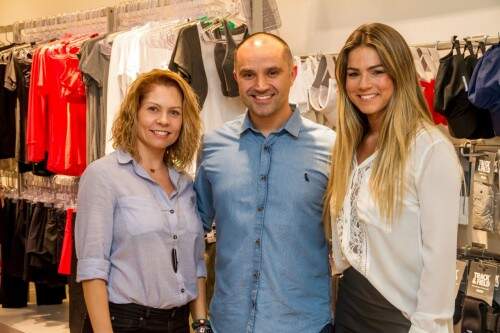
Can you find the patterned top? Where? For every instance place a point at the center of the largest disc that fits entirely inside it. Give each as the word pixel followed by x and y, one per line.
pixel 411 262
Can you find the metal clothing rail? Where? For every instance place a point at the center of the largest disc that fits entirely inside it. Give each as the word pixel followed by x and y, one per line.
pixel 43 24
pixel 447 45
pixel 133 12
pixel 6 28
pixel 113 14
pixel 478 253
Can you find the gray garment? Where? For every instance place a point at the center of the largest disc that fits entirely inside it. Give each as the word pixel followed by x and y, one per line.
pixel 94 64
pixel 127 228
pixel 93 95
pixel 483 206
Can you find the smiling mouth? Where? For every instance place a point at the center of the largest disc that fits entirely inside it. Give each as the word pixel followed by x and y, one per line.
pixel 160 132
pixel 262 99
pixel 367 97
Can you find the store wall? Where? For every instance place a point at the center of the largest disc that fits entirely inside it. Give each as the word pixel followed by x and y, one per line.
pixel 313 26
pixel 18 10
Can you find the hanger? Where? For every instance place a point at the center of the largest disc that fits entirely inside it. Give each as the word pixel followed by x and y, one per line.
pixel 455 45
pixel 468 46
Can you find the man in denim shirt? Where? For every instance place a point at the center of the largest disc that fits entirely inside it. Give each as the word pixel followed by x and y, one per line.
pixel 262 178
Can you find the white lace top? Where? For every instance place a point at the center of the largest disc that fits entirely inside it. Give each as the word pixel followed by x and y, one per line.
pixel 411 262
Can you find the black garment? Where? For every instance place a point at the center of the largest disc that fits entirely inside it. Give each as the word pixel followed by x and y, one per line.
pixel 188 62
pixel 224 60
pixel 16 259
pixel 36 256
pixel 361 308
pixel 451 100
pixel 474 316
pixel 134 318
pixel 43 243
pixel 14 290
pixel 50 294
pixel 7 118
pixel 23 74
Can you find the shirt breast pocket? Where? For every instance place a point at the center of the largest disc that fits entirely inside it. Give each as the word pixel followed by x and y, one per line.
pixel 313 184
pixel 140 215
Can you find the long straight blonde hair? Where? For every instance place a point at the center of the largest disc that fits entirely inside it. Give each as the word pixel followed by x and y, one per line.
pixel 404 115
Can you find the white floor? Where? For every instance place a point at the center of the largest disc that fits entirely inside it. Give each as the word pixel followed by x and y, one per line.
pixel 35 319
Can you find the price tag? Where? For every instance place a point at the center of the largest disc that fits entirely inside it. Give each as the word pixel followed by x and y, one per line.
pixel 481 282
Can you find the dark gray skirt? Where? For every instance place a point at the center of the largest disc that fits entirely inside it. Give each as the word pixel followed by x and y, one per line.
pixel 362 309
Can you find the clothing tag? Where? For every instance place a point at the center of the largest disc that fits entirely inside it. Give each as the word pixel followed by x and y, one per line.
pixel 481 282
pixel 459 274
pixel 485 168
pixel 465 83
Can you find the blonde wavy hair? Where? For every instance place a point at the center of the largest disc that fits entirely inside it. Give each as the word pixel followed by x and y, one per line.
pixel 404 115
pixel 180 154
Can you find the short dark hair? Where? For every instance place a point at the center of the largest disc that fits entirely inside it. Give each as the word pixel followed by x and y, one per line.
pixel 286 49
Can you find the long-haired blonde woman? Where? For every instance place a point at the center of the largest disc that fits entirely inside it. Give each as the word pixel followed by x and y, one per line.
pixel 393 195
pixel 139 240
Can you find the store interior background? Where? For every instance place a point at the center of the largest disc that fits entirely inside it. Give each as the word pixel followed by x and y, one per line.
pixel 321 26
pixel 310 27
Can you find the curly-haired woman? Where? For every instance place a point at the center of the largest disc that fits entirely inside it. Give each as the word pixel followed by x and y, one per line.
pixel 139 240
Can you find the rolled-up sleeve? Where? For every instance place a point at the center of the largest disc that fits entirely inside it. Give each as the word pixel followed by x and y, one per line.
pixel 94 225
pixel 438 186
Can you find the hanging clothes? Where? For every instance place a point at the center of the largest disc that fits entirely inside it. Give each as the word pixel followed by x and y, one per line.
pixel 187 60
pixel 217 108
pixel 425 65
pixel 133 52
pixel 464 119
pixel 484 87
pixel 31 234
pixel 90 67
pixel 94 63
pixel 323 91
pixel 7 111
pixel 224 58
pixel 57 109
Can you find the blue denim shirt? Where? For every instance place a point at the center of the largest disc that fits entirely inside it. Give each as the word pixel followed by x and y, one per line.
pixel 266 195
pixel 126 228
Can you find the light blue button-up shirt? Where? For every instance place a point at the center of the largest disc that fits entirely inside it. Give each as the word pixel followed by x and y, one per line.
pixel 127 228
pixel 266 197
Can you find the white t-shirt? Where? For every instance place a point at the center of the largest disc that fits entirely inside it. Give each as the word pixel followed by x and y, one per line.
pixel 123 61
pixel 411 262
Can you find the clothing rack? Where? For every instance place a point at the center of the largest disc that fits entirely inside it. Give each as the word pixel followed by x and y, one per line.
pixel 472 150
pixel 446 45
pixel 151 9
pixel 138 12
pixel 479 253
pixel 61 21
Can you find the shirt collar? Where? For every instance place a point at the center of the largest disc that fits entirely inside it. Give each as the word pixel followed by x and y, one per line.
pixel 292 126
pixel 125 158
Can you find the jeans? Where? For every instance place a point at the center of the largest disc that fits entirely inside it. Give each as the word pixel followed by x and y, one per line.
pixel 134 318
